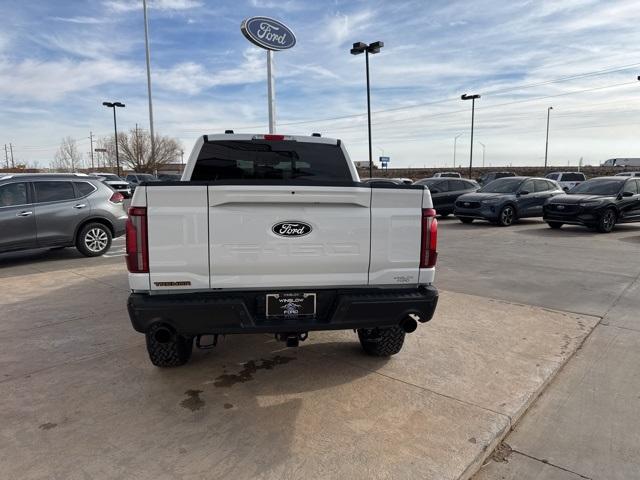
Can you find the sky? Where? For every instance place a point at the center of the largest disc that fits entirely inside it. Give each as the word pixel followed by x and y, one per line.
pixel 59 60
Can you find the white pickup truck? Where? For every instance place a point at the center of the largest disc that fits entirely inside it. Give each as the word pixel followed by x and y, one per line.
pixel 276 234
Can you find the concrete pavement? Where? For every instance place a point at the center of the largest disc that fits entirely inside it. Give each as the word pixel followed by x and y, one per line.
pixel 585 425
pixel 81 400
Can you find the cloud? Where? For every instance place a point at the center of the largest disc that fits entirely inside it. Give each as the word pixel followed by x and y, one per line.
pixel 341 27
pixel 50 81
pixel 192 78
pixel 285 5
pixel 121 6
pixel 80 20
pixel 91 46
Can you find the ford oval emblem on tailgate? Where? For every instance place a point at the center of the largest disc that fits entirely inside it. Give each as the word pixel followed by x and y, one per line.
pixel 291 228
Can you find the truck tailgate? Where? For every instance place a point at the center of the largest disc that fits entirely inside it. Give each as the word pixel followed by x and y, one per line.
pixel 247 250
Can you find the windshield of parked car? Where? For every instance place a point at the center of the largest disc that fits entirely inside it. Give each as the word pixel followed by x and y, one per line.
pixel 427 181
pixel 604 186
pixel 502 185
pixel 146 177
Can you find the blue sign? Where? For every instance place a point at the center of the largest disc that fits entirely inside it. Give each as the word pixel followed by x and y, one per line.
pixel 385 159
pixel 268 33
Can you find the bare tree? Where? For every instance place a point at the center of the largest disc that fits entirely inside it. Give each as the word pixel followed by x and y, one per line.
pixel 67 158
pixel 106 159
pixel 134 150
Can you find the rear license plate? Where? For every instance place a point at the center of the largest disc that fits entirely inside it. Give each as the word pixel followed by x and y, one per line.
pixel 291 305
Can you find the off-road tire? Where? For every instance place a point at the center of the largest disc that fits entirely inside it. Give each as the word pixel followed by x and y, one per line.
pixel 555 225
pixel 466 220
pixel 507 216
pixel 173 353
pixel 607 221
pixel 381 342
pixel 94 240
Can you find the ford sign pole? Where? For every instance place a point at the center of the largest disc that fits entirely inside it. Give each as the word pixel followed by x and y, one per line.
pixel 271 93
pixel 271 35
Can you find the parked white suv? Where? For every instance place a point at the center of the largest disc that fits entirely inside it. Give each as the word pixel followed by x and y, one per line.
pixel 276 234
pixel 567 180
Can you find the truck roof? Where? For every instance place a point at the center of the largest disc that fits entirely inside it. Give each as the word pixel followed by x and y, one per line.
pixel 266 136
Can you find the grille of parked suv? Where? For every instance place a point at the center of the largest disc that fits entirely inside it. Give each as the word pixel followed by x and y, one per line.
pixel 463 204
pixel 562 208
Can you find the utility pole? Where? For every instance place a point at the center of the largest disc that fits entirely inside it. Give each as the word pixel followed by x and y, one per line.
pixel 91 140
pixel 6 155
pixel 13 165
pixel 455 142
pixel 546 146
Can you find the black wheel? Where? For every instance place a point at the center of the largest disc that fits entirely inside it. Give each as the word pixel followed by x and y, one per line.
pixel 167 349
pixel 555 225
pixel 507 216
pixel 381 342
pixel 607 221
pixel 465 219
pixel 94 239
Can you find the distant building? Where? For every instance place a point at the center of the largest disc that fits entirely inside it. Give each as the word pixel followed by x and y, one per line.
pixel 622 162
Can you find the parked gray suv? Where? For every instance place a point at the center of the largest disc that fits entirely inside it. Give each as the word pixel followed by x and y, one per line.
pixel 59 210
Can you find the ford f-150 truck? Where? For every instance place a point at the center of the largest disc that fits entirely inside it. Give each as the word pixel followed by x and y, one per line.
pixel 276 234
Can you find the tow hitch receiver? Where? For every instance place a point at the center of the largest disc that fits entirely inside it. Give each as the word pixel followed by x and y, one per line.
pixel 207 346
pixel 292 339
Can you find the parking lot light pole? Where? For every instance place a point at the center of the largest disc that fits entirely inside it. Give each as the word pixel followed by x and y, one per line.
pixel 372 48
pixel 455 144
pixel 483 149
pixel 473 110
pixel 115 105
pixel 546 147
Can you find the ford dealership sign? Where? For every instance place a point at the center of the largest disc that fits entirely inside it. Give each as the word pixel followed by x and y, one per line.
pixel 268 33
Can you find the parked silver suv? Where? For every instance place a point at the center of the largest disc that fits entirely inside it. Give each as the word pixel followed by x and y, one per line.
pixel 59 210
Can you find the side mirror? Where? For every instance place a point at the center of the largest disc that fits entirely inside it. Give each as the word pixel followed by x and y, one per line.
pixel 627 194
pixel 524 192
pixel 434 190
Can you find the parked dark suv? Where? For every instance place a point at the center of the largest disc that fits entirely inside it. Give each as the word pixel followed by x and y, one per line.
pixel 445 192
pixel 505 200
pixel 59 210
pixel 598 203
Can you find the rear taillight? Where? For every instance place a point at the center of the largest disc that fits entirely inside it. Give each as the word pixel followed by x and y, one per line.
pixel 429 247
pixel 137 244
pixel 117 197
pixel 274 137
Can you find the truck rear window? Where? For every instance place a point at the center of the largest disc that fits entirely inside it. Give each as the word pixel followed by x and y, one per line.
pixel 270 160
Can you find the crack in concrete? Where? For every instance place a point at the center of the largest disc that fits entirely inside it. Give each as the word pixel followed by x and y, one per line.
pixel 547 462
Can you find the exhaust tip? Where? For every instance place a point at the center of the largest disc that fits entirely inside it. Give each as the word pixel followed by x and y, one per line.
pixel 409 325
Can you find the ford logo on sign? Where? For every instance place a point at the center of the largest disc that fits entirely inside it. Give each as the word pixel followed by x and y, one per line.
pixel 291 229
pixel 268 33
